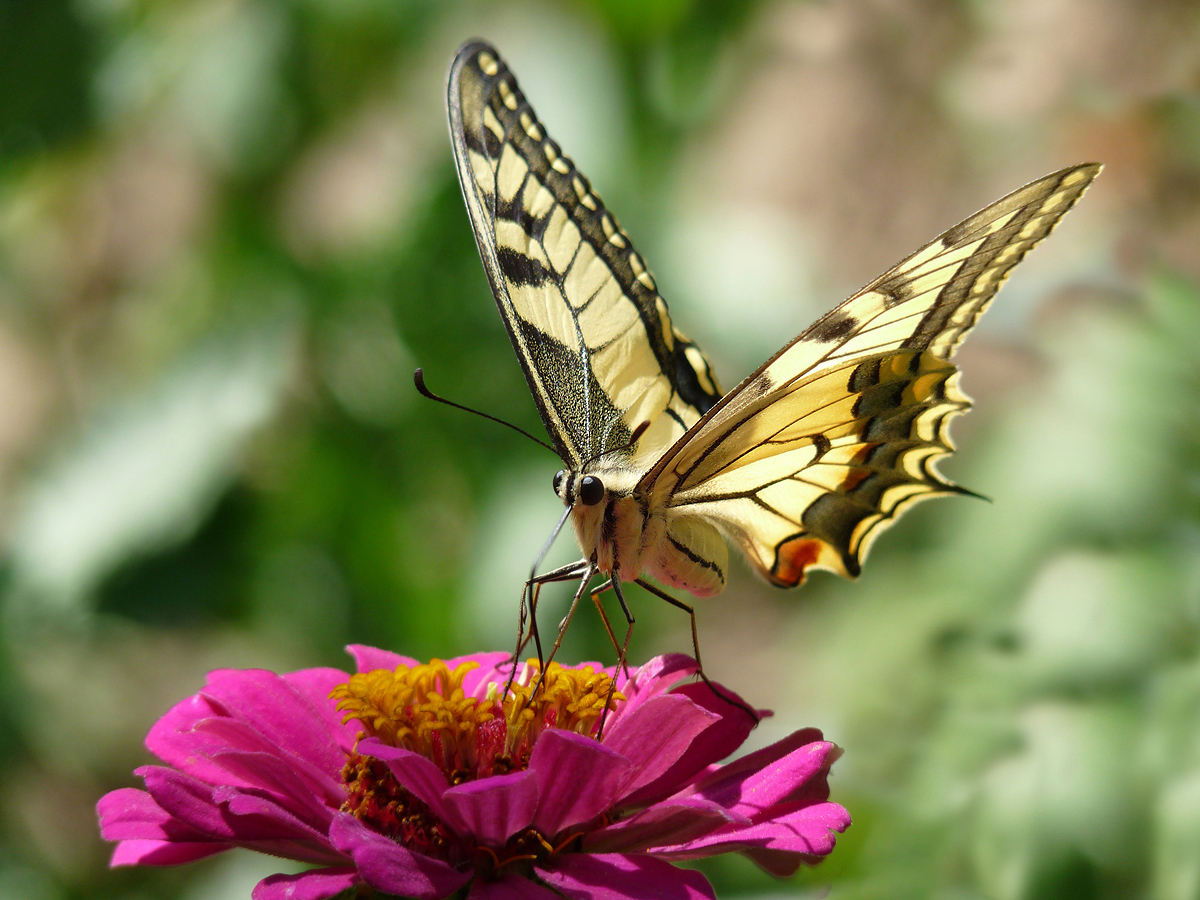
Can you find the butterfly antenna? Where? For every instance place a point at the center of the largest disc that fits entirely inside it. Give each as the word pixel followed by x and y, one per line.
pixel 419 381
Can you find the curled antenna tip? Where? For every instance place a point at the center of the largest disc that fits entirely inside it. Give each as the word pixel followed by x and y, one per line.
pixel 419 381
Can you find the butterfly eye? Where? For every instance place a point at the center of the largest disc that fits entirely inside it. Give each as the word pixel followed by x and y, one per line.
pixel 558 480
pixel 591 490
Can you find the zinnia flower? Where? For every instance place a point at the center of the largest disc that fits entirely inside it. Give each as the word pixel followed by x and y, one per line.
pixel 417 780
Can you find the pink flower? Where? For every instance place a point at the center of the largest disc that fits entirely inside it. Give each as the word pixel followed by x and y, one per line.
pixel 433 784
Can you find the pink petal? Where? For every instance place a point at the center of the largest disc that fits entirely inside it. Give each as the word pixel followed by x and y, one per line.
pixel 129 814
pixel 761 780
pixel 257 818
pixel 712 744
pixel 669 822
pixel 162 853
pixel 801 828
pixel 280 712
pixel 318 884
pixel 315 684
pixel 187 799
pixel 282 783
pixel 493 671
pixel 779 863
pixel 237 736
pixel 494 809
pixel 578 778
pixel 653 679
pixel 415 773
pixel 386 866
pixel 656 734
pixel 231 815
pixel 614 876
pixel 509 887
pixel 172 740
pixel 368 659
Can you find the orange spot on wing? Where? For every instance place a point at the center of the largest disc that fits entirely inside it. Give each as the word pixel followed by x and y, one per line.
pixel 854 478
pixel 899 364
pixel 924 387
pixel 861 454
pixel 793 558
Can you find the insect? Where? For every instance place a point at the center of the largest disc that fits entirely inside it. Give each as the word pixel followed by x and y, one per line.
pixel 805 462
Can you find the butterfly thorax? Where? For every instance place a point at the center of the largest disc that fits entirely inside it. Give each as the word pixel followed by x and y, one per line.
pixel 627 535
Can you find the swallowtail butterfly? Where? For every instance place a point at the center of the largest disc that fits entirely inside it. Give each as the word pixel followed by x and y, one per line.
pixel 805 462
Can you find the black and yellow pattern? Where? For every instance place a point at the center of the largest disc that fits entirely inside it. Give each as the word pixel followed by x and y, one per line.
pixel 806 461
pixel 581 308
pixel 807 475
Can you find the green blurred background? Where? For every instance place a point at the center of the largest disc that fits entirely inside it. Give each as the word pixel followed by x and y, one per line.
pixel 230 229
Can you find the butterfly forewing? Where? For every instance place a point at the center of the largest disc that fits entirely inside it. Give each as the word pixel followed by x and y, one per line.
pixel 582 310
pixel 812 456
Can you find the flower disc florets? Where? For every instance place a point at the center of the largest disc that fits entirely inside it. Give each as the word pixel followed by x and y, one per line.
pixel 423 708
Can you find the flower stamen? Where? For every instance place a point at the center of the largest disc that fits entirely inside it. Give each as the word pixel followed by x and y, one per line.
pixel 425 709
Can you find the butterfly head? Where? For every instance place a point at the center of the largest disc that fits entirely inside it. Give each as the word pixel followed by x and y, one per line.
pixel 573 488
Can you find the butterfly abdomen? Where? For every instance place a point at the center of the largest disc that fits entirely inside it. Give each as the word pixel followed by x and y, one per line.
pixel 692 555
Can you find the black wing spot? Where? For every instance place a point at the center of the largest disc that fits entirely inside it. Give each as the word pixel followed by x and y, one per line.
pixel 521 268
pixel 822 444
pixel 896 425
pixel 880 399
pixel 895 292
pixel 491 144
pixel 537 227
pixel 687 380
pixel 864 376
pixel 834 329
pixel 759 387
pixel 832 519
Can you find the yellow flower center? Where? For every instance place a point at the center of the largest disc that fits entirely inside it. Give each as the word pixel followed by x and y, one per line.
pixel 424 708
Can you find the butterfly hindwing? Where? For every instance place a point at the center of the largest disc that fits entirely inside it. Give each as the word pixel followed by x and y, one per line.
pixel 811 457
pixel 804 476
pixel 583 312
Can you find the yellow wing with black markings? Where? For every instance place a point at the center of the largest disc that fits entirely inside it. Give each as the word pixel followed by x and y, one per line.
pixel 583 312
pixel 806 461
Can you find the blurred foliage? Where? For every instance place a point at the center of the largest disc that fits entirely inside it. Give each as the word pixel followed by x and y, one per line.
pixel 230 230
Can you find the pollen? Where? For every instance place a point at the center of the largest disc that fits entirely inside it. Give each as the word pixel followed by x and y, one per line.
pixel 375 797
pixel 425 709
pixel 571 699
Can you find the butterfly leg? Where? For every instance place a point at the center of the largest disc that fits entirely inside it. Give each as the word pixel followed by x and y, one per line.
pixel 612 638
pixel 679 604
pixel 529 598
pixel 530 594
pixel 589 570
pixel 623 650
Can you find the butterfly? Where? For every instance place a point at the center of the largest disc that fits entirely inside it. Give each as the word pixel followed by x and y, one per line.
pixel 802 465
